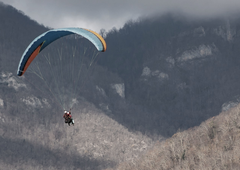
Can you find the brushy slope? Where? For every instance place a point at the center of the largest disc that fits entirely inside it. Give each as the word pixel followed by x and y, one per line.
pixel 95 141
pixel 215 144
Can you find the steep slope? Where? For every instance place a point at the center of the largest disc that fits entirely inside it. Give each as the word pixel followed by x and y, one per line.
pixel 94 142
pixel 178 71
pixel 212 145
pixel 16 32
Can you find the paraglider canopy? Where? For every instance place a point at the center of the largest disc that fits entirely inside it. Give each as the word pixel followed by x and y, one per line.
pixel 39 43
pixel 64 67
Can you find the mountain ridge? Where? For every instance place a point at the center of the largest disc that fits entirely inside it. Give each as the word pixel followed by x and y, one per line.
pixel 158 76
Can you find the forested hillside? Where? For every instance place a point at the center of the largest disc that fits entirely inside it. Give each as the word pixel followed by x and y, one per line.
pixel 178 72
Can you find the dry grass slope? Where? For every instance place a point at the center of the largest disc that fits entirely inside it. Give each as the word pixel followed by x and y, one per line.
pixel 215 144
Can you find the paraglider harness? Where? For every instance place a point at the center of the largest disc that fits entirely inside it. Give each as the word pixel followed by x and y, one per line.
pixel 68 118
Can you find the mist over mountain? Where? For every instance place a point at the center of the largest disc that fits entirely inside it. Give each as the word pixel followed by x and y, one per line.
pixel 180 72
pixel 158 76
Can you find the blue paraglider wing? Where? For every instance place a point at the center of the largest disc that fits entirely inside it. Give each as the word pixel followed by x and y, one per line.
pixel 43 40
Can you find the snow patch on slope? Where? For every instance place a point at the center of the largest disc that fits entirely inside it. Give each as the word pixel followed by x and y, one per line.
pixel 120 89
pixel 201 51
pixel 226 32
pixel 1 103
pixel 35 102
pixel 156 73
pixel 11 81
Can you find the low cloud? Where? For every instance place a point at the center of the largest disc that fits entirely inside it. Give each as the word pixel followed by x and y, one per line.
pixel 107 14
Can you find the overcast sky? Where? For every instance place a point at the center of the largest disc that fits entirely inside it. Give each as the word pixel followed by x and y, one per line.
pixel 106 14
